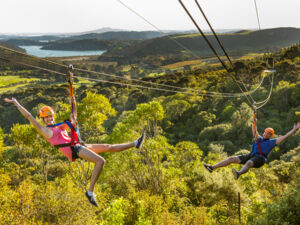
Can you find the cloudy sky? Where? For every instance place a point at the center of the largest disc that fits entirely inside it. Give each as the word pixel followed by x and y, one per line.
pixel 59 16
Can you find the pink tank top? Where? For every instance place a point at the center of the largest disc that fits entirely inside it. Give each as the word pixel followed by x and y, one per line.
pixel 60 136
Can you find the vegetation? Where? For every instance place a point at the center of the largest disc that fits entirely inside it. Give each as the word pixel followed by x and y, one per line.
pixel 164 182
pixel 86 44
pixel 236 44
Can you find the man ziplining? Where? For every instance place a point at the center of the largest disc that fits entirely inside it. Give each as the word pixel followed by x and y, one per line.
pixel 260 150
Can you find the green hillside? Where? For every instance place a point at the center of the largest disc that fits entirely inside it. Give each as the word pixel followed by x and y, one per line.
pixel 164 182
pixel 236 44
pixel 19 42
pixel 8 45
pixel 86 44
pixel 120 35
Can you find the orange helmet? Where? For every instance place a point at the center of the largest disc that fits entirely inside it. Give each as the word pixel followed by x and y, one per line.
pixel 270 131
pixel 46 111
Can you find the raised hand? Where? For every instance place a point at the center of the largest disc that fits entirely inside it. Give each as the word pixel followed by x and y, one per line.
pixel 13 100
pixel 297 126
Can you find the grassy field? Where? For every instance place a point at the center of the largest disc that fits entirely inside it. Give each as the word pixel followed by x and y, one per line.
pixel 184 63
pixel 250 56
pixel 82 81
pixel 12 83
pixel 10 80
pixel 209 34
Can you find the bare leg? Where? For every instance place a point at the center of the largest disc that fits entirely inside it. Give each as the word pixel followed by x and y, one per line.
pixel 90 156
pixel 246 167
pixel 99 148
pixel 230 160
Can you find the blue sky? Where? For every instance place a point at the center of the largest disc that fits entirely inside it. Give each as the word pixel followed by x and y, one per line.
pixel 59 16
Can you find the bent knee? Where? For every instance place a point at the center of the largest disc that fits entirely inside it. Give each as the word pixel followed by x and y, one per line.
pixel 249 163
pixel 100 160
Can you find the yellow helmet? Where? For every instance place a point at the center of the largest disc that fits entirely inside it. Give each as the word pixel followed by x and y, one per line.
pixel 46 111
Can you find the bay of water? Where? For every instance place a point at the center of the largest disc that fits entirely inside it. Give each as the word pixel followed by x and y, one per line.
pixel 37 51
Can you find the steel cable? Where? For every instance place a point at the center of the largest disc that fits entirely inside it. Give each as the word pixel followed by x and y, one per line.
pixel 130 79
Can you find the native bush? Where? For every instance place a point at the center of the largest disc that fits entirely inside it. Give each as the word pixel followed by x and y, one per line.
pixel 284 210
pixel 145 116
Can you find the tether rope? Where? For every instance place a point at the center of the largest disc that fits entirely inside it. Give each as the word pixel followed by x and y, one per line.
pixel 269 96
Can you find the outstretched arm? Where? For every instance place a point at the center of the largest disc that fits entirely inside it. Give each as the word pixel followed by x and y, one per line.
pixel 288 134
pixel 47 133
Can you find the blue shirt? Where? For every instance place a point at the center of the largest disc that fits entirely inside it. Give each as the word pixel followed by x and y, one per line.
pixel 266 146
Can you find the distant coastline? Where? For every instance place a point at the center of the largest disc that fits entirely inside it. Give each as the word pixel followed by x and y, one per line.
pixel 37 51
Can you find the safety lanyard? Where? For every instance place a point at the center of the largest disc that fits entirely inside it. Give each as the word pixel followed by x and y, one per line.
pixel 75 134
pixel 259 148
pixel 254 133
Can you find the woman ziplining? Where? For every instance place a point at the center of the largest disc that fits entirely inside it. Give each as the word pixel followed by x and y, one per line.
pixel 261 147
pixel 71 146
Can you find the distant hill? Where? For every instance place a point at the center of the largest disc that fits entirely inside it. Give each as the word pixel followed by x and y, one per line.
pixel 19 42
pixel 8 45
pixel 121 35
pixel 101 30
pixel 44 38
pixel 86 44
pixel 90 41
pixel 101 34
pixel 103 41
pixel 235 43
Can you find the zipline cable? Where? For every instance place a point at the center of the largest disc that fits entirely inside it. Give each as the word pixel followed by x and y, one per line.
pixel 257 15
pixel 220 44
pixel 155 27
pixel 213 49
pixel 214 33
pixel 268 98
pixel 130 79
pixel 164 85
pixel 119 83
pixel 203 35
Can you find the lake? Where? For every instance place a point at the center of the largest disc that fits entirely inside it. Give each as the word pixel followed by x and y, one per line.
pixel 37 51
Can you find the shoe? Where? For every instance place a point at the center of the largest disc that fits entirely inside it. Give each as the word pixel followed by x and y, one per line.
pixel 91 198
pixel 208 167
pixel 140 141
pixel 236 174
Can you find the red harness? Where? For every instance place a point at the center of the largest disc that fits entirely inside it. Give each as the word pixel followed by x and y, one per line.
pixel 259 148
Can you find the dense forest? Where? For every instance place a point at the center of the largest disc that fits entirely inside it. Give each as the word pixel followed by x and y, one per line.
pixel 164 182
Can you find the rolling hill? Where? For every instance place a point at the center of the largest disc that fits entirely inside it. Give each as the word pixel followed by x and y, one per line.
pixel 235 43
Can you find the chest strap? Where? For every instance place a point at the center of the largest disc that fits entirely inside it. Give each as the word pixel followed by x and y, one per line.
pixel 259 149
